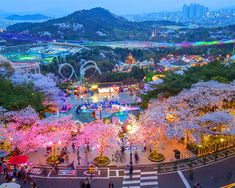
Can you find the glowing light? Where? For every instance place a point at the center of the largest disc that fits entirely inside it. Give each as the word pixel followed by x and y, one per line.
pixel 170 118
pixel 94 87
pixel 129 127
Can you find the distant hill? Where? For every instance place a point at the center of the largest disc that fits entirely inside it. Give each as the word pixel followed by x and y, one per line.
pixel 93 24
pixel 27 17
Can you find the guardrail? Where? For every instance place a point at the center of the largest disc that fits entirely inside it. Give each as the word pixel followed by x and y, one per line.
pixel 191 163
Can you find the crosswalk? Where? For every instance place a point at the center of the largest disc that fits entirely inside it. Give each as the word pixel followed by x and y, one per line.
pixel 140 179
pixel 36 171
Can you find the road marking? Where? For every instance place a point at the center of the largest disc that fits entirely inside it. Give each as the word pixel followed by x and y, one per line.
pixel 132 187
pixel 184 179
pixel 148 183
pixel 131 182
pixel 134 176
pixel 36 171
pixel 134 171
pixel 49 174
pixel 149 178
pixel 149 173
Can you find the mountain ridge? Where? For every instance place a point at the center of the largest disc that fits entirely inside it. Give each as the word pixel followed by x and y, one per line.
pixel 27 17
pixel 93 24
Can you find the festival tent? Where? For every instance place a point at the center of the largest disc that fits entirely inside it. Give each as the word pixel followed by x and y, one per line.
pixel 10 185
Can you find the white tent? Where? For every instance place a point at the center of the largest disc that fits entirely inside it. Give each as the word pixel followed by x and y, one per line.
pixel 10 185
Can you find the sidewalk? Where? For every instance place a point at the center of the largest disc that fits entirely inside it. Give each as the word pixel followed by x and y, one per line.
pixel 165 147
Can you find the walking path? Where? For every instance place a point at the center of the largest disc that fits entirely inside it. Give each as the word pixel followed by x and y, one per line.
pixel 165 147
pixel 45 171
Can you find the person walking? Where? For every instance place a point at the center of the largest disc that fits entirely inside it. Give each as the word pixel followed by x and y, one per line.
pixel 73 147
pixel 66 158
pixel 131 171
pixel 34 185
pixel 87 184
pixel 4 168
pixel 82 184
pixel 91 170
pixel 55 167
pixel 136 157
pixel 111 184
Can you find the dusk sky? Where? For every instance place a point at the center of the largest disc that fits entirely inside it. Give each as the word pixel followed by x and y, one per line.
pixel 116 6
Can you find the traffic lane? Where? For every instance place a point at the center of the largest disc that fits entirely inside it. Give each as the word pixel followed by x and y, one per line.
pixel 170 181
pixel 215 175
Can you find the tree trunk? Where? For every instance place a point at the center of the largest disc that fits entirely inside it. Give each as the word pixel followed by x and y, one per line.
pixel 101 153
pixel 54 152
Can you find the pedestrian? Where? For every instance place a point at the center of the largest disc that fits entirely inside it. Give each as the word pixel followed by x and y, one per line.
pixel 136 157
pixel 78 158
pixel 88 147
pixel 197 185
pixel 19 176
pixel 73 147
pixel 55 167
pixel 145 147
pixel 4 168
pixel 82 184
pixel 7 177
pixel 113 158
pixel 116 156
pixel 87 183
pixel 91 170
pixel 131 171
pixel 96 170
pixel 34 185
pixel 72 166
pixel 24 177
pixel 66 158
pixel 66 150
pixel 122 150
pixel 78 152
pixel 111 184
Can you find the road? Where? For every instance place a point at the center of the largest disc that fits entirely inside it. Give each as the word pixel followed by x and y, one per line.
pixel 210 176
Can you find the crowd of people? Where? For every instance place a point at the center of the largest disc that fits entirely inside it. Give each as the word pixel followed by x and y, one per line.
pixel 18 174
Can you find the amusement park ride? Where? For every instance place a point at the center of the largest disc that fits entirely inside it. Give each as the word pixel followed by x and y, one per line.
pixel 85 66
pixel 100 109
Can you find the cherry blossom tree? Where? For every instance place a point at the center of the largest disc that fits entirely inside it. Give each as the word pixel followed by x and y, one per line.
pixel 40 132
pixel 56 132
pixel 41 83
pixel 22 118
pixel 99 135
pixel 191 108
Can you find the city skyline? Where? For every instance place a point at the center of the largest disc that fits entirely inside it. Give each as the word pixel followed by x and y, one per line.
pixel 118 7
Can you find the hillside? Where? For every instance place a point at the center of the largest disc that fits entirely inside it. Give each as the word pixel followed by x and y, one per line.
pixel 93 24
